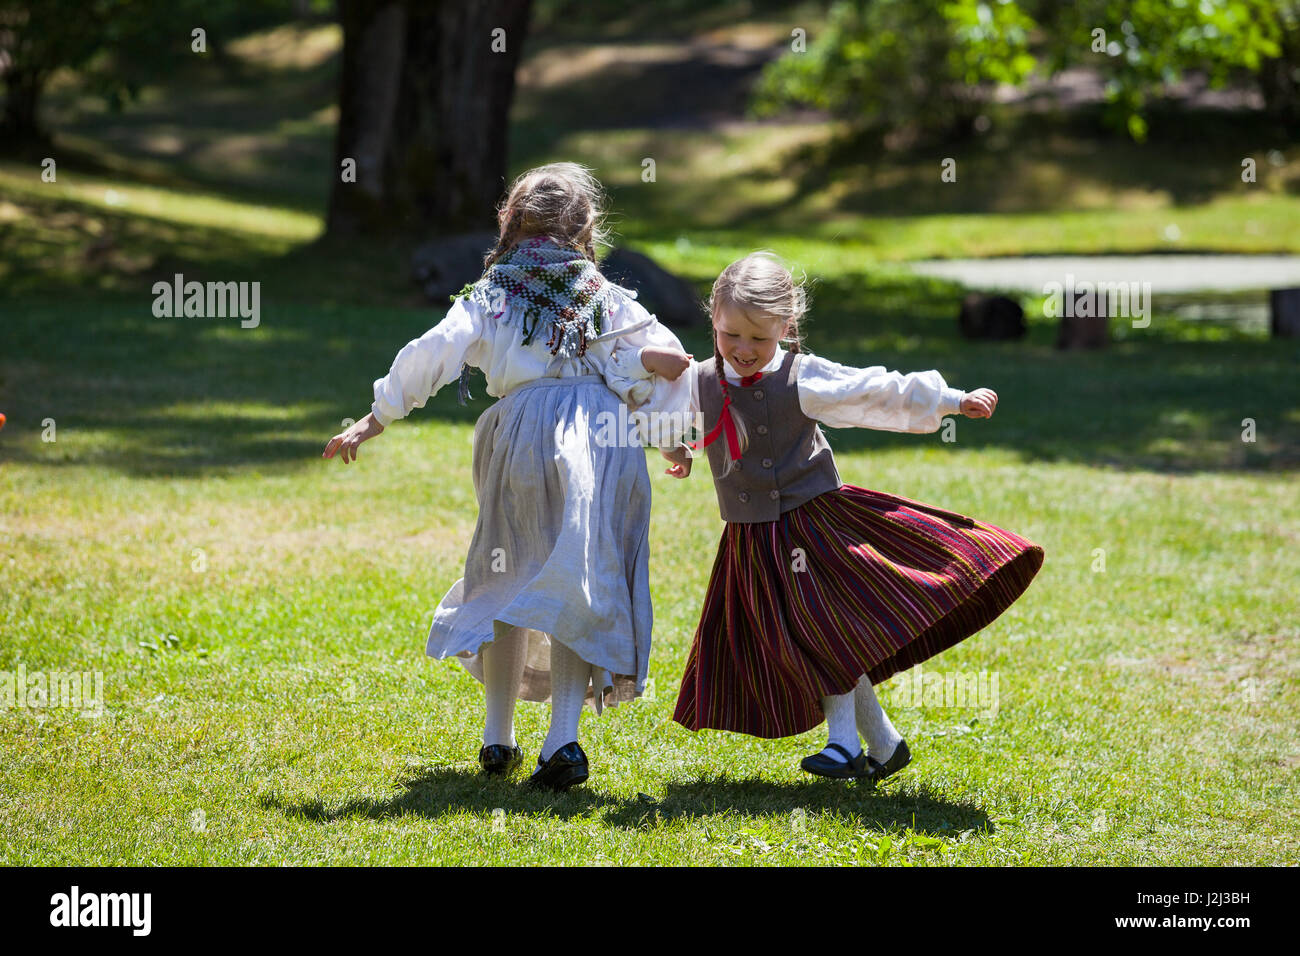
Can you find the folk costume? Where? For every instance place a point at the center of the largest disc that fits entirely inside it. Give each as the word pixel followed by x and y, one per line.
pixel 817 584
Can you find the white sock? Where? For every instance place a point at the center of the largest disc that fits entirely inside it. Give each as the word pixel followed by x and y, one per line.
pixel 570 675
pixel 873 723
pixel 839 726
pixel 503 669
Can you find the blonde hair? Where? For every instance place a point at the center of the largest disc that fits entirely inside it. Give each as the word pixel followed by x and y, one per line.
pixel 562 201
pixel 762 286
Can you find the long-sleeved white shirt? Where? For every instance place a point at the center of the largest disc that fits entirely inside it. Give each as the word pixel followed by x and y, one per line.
pixel 841 396
pixel 471 334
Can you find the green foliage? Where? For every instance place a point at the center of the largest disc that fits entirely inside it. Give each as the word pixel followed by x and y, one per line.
pixel 894 63
pixel 931 63
pixel 1142 47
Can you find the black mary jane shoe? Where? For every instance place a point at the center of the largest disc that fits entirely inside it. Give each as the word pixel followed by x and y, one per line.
pixel 900 759
pixel 851 768
pixel 566 768
pixel 499 759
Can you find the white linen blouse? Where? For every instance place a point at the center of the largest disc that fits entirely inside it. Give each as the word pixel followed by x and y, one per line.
pixel 840 396
pixel 474 335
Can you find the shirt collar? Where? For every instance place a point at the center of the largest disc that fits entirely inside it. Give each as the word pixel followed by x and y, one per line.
pixel 734 377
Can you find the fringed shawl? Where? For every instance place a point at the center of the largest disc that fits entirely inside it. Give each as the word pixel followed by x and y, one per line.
pixel 553 288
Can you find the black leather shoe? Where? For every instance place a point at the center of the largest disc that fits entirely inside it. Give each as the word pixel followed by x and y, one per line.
pixel 566 768
pixel 499 759
pixel 848 769
pixel 901 758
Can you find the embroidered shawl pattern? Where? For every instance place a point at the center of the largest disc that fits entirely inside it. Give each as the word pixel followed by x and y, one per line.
pixel 554 288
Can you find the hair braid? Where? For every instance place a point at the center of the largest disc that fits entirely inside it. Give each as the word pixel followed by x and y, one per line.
pixel 742 434
pixel 722 376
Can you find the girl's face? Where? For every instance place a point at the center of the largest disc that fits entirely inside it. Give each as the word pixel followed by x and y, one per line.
pixel 746 341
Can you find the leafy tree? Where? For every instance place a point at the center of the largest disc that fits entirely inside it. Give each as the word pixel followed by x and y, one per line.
pixel 930 63
pixel 895 63
pixel 1142 46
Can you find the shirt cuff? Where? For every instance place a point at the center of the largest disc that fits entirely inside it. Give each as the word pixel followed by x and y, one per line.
pixel 380 416
pixel 628 364
pixel 950 403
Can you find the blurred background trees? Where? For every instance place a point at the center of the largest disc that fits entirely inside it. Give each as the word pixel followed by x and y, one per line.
pixel 931 64
pixel 116 45
pixel 417 94
pixel 424 105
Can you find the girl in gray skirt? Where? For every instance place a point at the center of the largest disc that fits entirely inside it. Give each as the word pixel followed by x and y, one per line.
pixel 555 601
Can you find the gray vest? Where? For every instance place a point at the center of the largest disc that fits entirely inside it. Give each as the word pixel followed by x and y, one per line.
pixel 787 461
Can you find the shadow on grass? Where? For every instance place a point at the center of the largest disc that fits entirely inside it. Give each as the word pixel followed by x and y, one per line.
pixel 228 126
pixel 1028 163
pixel 883 807
pixel 440 791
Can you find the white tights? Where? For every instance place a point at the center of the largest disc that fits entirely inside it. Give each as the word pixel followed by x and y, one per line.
pixel 570 676
pixel 503 669
pixel 859 712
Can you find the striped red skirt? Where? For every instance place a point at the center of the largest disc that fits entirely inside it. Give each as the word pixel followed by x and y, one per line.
pixel 853 582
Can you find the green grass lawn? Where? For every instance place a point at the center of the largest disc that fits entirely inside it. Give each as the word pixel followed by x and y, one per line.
pixel 258 615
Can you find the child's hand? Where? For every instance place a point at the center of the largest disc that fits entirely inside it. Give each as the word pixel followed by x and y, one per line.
pixel 348 440
pixel 666 363
pixel 681 460
pixel 979 403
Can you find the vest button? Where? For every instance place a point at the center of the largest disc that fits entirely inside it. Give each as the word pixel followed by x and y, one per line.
pixel 767 462
pixel 758 394
pixel 774 494
pixel 743 496
pixel 762 429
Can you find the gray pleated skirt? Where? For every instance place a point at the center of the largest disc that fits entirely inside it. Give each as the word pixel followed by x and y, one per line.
pixel 562 544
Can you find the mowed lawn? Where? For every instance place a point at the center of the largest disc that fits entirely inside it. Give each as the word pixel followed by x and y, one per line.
pixel 258 615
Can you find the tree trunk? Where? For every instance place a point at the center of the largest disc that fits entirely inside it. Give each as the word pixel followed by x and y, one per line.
pixel 424 104
pixel 20 131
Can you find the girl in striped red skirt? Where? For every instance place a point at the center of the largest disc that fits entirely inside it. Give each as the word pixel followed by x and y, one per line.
pixel 822 589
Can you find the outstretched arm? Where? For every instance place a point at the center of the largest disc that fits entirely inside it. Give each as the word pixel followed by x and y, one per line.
pixel 423 366
pixel 426 364
pixel 845 397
